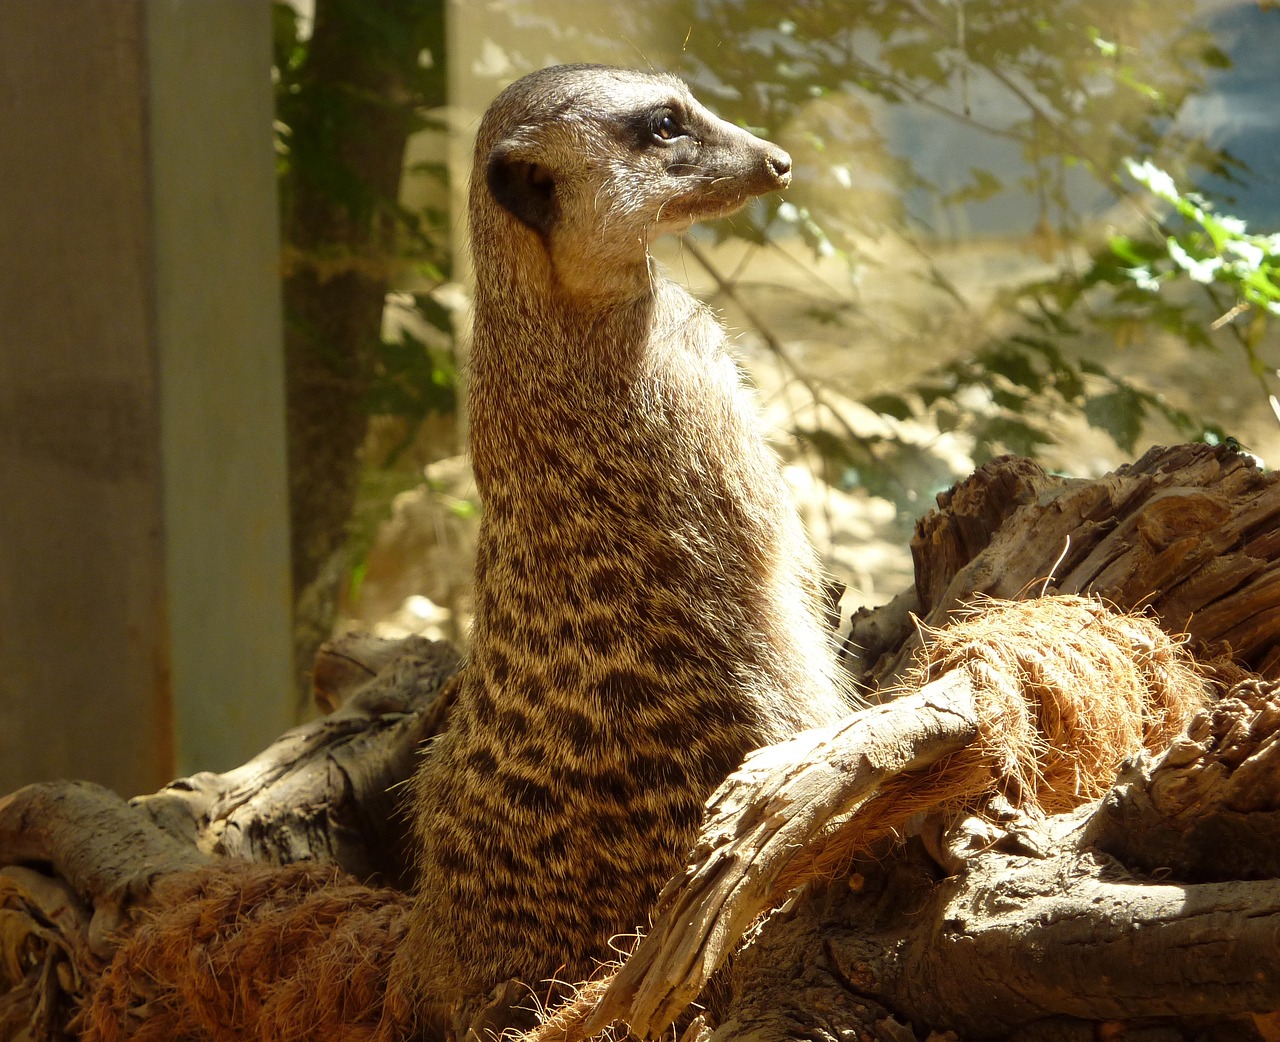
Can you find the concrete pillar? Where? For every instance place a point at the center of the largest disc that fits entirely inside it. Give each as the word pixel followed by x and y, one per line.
pixel 144 600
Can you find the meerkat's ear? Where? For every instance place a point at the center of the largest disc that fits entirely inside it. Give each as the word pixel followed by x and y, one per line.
pixel 522 186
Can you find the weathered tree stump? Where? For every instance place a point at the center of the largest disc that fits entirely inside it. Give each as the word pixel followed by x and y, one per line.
pixel 1190 533
pixel 1043 929
pixel 1154 907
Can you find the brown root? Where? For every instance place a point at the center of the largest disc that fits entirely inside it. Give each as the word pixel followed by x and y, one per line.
pixel 1066 690
pixel 45 958
pixel 241 950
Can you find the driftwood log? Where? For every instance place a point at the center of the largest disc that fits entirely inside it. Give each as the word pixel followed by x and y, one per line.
pixel 1150 913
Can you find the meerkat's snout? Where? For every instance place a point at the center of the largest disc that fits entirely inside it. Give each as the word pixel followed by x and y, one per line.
pixel 779 165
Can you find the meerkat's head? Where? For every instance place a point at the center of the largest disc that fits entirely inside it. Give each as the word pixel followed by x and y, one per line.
pixel 585 164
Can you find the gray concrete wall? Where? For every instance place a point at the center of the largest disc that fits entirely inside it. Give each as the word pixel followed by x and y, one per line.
pixel 143 545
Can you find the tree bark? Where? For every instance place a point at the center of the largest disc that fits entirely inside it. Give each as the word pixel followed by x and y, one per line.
pixel 753 832
pixel 1041 925
pixel 1190 533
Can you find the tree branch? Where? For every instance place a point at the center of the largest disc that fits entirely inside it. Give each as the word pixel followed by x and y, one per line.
pixel 772 808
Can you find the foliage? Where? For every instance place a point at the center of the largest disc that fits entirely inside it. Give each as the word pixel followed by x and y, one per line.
pixel 1210 248
pixel 1064 93
pixel 911 121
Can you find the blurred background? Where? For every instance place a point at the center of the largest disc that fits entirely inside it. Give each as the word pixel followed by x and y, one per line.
pixel 234 301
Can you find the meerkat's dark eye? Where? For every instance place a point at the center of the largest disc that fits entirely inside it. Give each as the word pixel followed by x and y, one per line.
pixel 666 127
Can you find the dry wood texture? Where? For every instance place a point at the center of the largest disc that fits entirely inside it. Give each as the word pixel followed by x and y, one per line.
pixel 1039 931
pixel 83 864
pixel 1038 702
pixel 1191 532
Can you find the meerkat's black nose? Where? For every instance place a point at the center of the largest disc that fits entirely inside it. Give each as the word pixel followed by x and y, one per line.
pixel 779 164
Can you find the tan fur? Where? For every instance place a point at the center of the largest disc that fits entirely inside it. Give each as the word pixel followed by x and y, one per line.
pixel 646 599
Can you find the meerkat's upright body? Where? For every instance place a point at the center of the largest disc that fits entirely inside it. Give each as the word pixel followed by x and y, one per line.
pixel 646 599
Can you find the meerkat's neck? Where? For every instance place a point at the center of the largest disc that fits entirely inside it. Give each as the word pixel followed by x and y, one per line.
pixel 620 457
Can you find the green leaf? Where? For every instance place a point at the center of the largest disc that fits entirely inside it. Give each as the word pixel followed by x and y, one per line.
pixel 1214 57
pixel 1014 365
pixel 890 405
pixel 1118 412
pixel 983 185
pixel 1002 434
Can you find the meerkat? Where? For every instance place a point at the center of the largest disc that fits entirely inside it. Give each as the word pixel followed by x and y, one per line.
pixel 646 599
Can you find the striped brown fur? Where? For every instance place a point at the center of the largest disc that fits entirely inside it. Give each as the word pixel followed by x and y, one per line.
pixel 646 605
